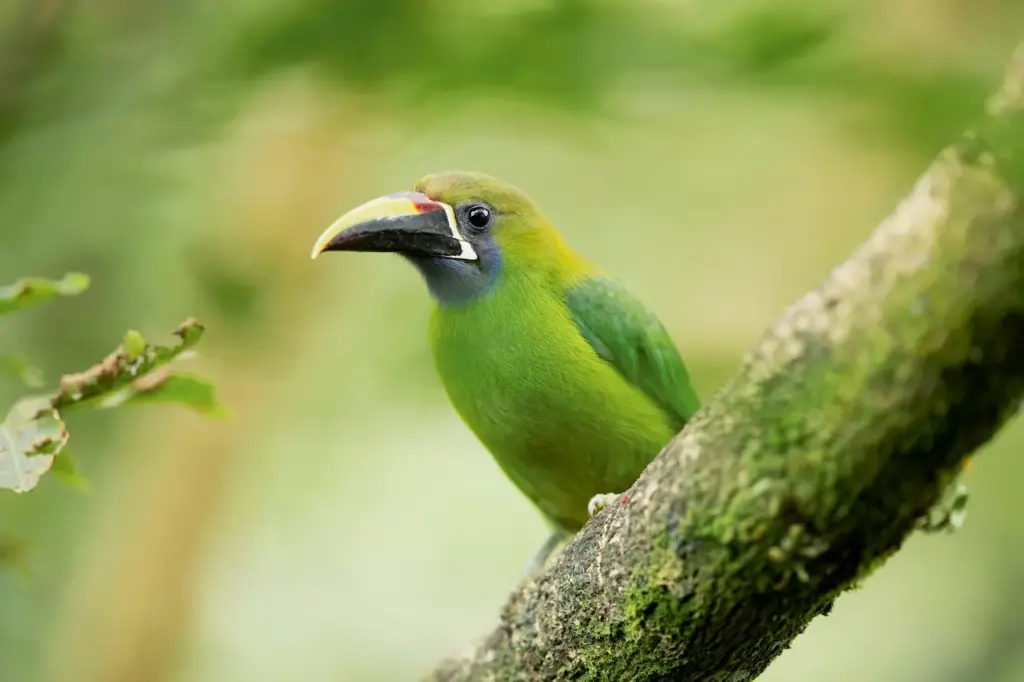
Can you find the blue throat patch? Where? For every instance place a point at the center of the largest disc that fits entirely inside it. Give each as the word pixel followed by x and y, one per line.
pixel 454 282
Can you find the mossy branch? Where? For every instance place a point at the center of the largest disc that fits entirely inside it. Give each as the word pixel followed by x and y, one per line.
pixel 842 428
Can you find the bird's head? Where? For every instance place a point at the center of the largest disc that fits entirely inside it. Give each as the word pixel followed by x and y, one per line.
pixel 461 230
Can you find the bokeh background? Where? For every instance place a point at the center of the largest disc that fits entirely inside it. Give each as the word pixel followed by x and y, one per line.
pixel 343 526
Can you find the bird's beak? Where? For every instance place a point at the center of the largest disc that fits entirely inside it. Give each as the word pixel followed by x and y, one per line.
pixel 406 222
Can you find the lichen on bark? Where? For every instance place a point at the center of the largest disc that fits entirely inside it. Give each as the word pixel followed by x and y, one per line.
pixel 844 425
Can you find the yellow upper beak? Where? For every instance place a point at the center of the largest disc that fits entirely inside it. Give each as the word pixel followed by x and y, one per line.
pixel 406 222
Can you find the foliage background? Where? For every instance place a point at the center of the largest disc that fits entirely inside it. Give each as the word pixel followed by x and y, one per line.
pixel 720 158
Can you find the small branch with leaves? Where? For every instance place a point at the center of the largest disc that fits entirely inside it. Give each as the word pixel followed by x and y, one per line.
pixel 33 436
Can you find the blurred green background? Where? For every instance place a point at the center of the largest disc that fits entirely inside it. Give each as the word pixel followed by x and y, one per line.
pixel 720 158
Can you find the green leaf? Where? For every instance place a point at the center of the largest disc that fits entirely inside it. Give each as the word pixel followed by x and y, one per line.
pixel 133 367
pixel 30 437
pixel 19 367
pixel 134 344
pixel 184 389
pixel 65 468
pixel 34 290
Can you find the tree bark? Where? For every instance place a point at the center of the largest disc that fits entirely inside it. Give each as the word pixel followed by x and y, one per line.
pixel 844 425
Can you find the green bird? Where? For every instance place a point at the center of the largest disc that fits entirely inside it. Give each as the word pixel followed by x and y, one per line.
pixel 568 380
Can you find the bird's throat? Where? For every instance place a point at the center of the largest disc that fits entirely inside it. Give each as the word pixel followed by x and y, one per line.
pixel 457 283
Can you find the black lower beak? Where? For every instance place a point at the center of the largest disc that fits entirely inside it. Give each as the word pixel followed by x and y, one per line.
pixel 425 234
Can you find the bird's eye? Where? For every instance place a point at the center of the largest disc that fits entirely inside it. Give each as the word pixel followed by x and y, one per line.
pixel 479 216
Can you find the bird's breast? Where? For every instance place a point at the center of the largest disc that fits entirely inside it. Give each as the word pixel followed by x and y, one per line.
pixel 514 365
pixel 559 420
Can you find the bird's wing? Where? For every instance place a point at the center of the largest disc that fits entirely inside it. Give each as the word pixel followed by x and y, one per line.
pixel 627 335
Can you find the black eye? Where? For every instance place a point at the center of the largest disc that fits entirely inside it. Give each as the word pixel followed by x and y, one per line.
pixel 479 216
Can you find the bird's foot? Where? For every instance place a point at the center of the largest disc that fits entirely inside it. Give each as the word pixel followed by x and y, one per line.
pixel 600 501
pixel 949 512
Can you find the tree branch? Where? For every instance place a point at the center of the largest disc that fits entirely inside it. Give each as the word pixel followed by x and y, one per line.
pixel 844 426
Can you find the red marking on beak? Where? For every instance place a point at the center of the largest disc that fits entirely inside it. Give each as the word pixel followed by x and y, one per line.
pixel 422 202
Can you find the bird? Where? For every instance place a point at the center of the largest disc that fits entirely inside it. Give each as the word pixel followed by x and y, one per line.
pixel 569 381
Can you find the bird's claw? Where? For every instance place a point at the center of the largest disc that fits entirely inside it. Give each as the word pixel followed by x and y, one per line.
pixel 949 512
pixel 599 502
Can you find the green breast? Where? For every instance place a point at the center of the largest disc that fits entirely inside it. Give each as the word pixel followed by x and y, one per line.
pixel 561 422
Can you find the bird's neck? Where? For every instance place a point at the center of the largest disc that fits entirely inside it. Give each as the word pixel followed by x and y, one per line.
pixel 539 254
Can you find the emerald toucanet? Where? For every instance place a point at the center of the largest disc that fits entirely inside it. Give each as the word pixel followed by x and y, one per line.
pixel 569 381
